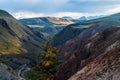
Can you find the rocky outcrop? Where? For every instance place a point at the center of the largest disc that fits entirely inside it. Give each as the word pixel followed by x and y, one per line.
pixel 75 29
pixel 6 73
pixel 99 37
pixel 83 49
pixel 103 67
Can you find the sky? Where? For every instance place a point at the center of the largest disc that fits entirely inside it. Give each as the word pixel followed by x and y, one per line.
pixel 59 8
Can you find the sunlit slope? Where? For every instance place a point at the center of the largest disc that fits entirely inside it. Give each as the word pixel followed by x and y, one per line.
pixel 16 37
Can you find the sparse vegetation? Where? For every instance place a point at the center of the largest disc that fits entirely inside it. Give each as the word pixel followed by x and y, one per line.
pixel 45 69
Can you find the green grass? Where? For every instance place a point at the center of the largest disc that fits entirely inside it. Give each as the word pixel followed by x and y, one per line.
pixel 9 43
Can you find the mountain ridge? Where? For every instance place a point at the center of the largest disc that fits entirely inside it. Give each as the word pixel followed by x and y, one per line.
pixel 18 42
pixel 47 25
pixel 92 42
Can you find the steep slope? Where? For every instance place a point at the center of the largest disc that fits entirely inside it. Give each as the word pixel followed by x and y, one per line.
pixel 85 24
pixel 69 46
pixel 112 17
pixel 18 43
pixel 66 34
pixel 103 67
pixel 95 17
pixel 14 36
pixel 6 73
pixel 87 46
pixel 106 65
pixel 81 53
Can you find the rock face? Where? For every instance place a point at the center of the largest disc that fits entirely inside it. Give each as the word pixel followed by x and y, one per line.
pixel 103 44
pixel 103 67
pixel 6 73
pixel 91 52
pixel 69 33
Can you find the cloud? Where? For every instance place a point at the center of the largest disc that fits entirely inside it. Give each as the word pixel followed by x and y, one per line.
pixel 96 0
pixel 71 14
pixel 27 1
pixel 46 6
pixel 28 14
pixel 60 8
pixel 115 9
pixel 38 1
pixel 20 1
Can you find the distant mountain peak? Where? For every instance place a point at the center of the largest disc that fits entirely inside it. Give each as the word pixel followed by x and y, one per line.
pixel 83 18
pixel 67 17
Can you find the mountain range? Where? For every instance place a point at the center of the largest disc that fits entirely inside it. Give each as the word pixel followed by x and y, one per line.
pixel 90 50
pixel 52 25
pixel 47 25
pixel 87 49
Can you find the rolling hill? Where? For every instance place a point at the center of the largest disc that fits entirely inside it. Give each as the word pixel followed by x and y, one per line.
pixel 47 25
